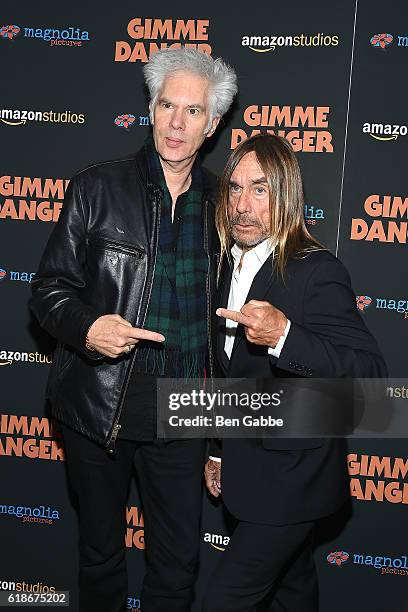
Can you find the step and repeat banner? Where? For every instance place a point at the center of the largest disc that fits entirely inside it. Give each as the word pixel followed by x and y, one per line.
pixel 329 77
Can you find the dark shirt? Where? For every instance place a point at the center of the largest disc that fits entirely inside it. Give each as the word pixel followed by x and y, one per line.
pixel 138 417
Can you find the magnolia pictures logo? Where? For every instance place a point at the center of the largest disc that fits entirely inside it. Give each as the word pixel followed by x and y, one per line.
pixel 337 557
pixel 381 41
pixel 133 604
pixel 128 120
pixel 312 214
pixel 41 514
pixel 364 302
pixel 124 121
pixel 385 40
pixel 68 37
pixel 9 31
pixel 387 564
pixel 14 275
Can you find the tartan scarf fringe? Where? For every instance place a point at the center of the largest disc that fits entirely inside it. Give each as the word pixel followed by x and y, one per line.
pixel 161 361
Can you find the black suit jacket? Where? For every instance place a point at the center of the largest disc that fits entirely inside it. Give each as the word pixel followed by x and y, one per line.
pixel 290 480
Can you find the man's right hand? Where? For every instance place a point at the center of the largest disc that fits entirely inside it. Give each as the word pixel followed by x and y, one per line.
pixel 111 335
pixel 212 474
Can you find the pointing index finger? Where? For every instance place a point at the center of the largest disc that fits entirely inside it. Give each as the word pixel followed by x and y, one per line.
pixel 233 315
pixel 138 333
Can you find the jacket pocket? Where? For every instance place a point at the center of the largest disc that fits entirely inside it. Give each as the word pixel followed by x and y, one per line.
pixel 115 277
pixel 61 362
pixel 104 244
pixel 65 359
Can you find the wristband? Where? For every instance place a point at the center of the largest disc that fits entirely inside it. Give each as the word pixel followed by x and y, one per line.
pixel 87 344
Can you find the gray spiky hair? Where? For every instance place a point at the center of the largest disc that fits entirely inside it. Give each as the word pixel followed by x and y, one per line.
pixel 221 77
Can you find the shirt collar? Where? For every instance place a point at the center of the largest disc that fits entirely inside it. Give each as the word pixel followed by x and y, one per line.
pixel 260 252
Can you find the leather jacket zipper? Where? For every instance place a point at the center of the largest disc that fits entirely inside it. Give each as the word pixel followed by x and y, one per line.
pixel 110 447
pixel 119 247
pixel 208 290
pixel 115 431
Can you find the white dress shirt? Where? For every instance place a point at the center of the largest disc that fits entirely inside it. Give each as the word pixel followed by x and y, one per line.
pixel 241 281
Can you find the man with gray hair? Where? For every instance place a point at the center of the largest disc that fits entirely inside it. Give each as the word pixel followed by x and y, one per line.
pixel 124 285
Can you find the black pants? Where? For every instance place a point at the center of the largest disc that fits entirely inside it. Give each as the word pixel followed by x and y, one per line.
pixel 170 479
pixel 265 561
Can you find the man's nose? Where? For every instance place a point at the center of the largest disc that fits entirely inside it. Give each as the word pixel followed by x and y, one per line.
pixel 177 120
pixel 244 202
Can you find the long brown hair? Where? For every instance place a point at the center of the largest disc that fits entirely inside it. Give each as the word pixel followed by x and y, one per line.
pixel 286 202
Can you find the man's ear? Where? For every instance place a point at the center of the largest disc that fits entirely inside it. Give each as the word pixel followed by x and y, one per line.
pixel 213 127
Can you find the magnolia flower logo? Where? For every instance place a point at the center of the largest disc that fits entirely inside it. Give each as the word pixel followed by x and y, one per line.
pixel 363 302
pixel 338 557
pixel 381 40
pixel 9 31
pixel 124 121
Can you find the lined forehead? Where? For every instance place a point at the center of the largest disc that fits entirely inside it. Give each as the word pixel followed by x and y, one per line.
pixel 248 170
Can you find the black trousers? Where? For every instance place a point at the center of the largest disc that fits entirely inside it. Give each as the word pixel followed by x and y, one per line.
pixel 265 562
pixel 170 484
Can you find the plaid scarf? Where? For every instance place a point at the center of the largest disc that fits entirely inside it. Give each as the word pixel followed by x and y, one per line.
pixel 178 304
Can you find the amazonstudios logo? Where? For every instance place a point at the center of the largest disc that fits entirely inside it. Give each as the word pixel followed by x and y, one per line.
pixel 265 42
pixel 218 541
pixel 17 116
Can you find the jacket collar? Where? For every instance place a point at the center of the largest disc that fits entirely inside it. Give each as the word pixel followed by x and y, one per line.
pixel 210 180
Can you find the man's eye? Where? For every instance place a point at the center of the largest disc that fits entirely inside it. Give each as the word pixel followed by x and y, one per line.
pixel 234 188
pixel 193 111
pixel 260 190
pixel 166 105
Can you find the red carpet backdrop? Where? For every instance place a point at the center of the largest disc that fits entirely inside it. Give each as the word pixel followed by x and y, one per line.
pixel 329 77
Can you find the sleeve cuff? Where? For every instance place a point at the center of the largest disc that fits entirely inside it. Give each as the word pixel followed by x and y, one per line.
pixel 275 352
pixel 217 459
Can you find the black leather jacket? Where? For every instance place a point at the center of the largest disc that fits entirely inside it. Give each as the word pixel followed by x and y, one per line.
pixel 100 259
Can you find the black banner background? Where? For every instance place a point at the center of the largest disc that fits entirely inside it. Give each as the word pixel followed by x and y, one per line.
pixel 357 81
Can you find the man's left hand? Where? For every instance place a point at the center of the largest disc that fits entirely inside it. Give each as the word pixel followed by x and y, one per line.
pixel 212 475
pixel 264 324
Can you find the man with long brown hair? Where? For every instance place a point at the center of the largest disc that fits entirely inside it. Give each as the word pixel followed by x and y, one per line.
pixel 286 309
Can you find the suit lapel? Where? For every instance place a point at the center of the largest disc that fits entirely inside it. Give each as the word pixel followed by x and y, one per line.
pixel 225 283
pixel 262 281
pixel 261 286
